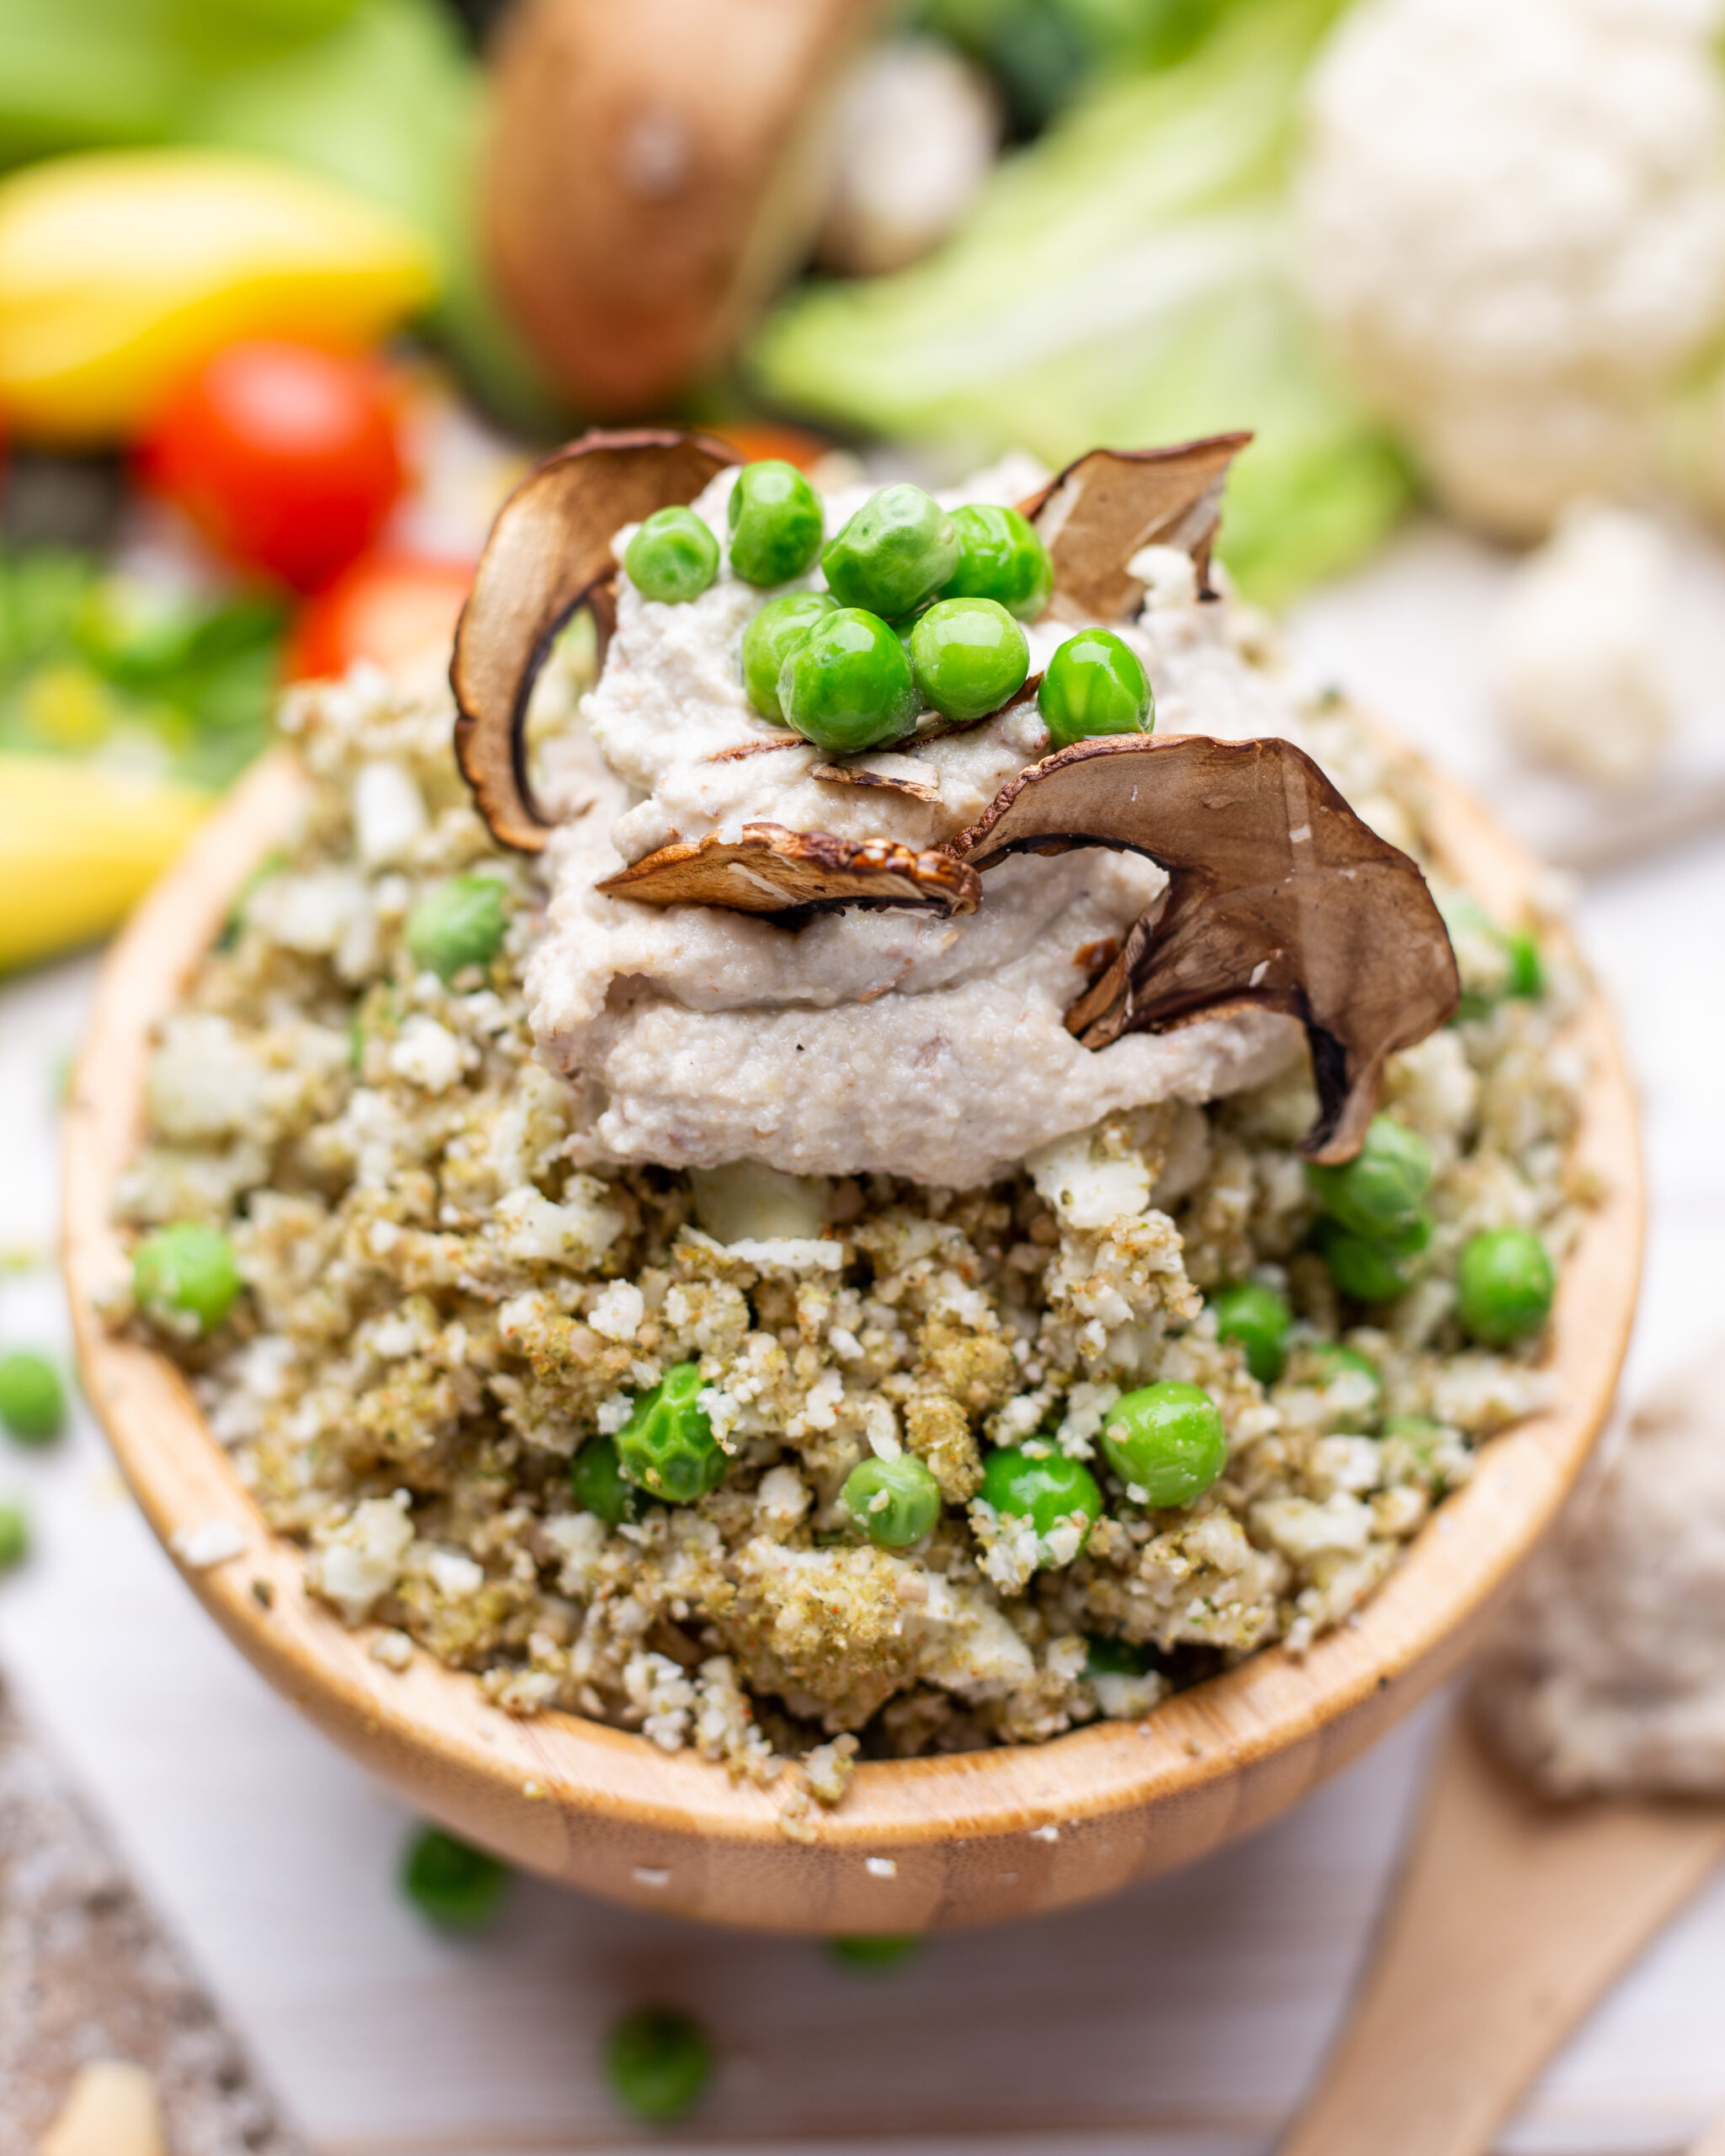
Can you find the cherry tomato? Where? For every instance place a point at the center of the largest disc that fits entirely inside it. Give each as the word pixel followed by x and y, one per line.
pixel 392 609
pixel 284 456
pixel 756 439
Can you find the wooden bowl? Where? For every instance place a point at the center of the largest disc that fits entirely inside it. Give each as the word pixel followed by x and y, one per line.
pixel 916 1844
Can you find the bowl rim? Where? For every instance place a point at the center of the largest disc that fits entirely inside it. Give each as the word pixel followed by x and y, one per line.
pixel 430 1721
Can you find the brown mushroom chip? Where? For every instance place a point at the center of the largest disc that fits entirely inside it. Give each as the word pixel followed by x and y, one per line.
pixel 548 554
pixel 862 774
pixel 1279 896
pixel 763 746
pixel 1095 515
pixel 775 871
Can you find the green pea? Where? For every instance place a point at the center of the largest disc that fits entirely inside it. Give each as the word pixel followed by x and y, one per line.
pixel 659 2062
pixel 875 1952
pixel 1381 1191
pixel 1527 968
pixel 599 1483
pixel 1043 1486
pixel 667 1445
pixel 895 1502
pixel 847 685
pixel 1321 1365
pixel 1422 1436
pixel 1503 1285
pixel 776 523
pixel 459 922
pixel 32 1398
pixel 1167 1440
pixel 1523 969
pixel 1256 1318
pixel 894 555
pixel 673 556
pixel 1373 1269
pixel 1418 1431
pixel 772 635
pixel 186 1270
pixel 969 656
pixel 14 1537
pixel 1095 684
pixel 1107 1657
pixel 456 1885
pixel 1000 556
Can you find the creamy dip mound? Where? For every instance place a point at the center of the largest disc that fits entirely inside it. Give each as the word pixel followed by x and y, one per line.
pixel 888 1041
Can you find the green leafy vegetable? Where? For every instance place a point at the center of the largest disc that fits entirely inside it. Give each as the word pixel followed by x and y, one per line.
pixel 81 74
pixel 1123 281
pixel 97 664
pixel 1041 52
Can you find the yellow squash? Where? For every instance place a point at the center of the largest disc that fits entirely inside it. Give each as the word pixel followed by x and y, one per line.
pixel 121 271
pixel 78 845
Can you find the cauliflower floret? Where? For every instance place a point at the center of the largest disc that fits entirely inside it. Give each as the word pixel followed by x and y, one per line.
pixel 1090 1182
pixel 1513 221
pixel 1580 662
pixel 389 813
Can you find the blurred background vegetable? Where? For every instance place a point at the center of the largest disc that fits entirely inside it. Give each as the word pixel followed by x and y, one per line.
pixel 383 97
pixel 78 844
pixel 234 234
pixel 1043 53
pixel 914 133
pixel 121 271
pixel 141 678
pixel 654 174
pixel 1513 221
pixel 397 610
pixel 285 458
pixel 1124 280
pixel 390 103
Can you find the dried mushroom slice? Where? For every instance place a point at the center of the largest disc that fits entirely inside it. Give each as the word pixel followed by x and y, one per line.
pixel 775 871
pixel 765 746
pixel 549 553
pixel 1279 897
pixel 859 775
pixel 1095 515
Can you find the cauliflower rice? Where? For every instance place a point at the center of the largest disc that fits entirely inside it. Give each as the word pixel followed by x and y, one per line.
pixel 442 1307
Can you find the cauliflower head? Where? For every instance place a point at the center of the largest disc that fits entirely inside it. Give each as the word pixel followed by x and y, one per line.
pixel 1512 219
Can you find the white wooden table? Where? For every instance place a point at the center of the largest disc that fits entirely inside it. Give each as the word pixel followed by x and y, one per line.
pixel 1181 2020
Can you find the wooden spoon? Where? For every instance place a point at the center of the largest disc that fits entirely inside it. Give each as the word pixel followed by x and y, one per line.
pixel 1513 1917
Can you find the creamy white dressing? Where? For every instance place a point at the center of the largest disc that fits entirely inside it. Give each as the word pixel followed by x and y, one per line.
pixel 864 1040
